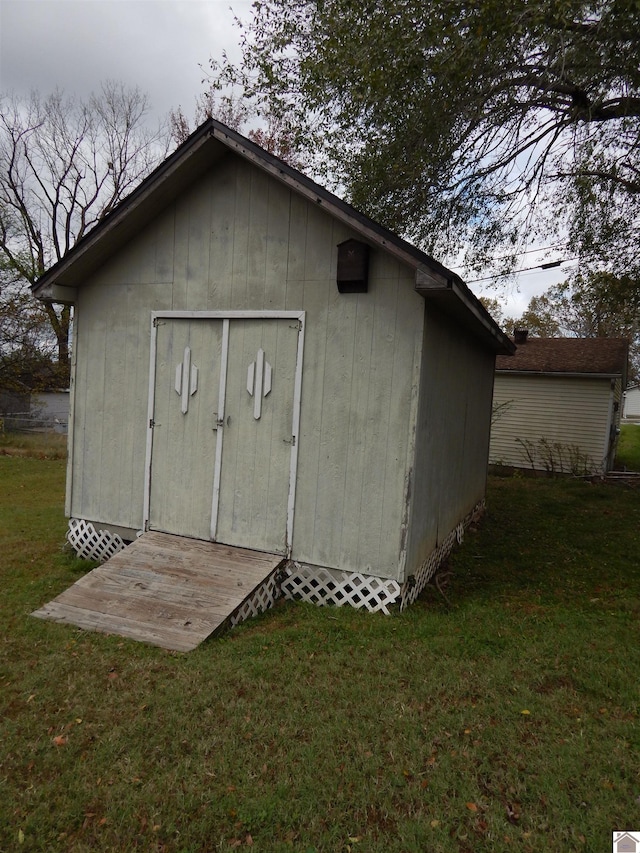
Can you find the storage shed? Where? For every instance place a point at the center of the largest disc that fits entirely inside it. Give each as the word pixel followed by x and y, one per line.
pixel 557 404
pixel 256 363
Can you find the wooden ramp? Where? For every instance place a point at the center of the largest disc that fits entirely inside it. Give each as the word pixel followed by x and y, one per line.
pixel 169 591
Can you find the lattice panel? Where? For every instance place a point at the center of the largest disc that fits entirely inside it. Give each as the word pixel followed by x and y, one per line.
pixel 261 599
pixel 92 544
pixel 412 588
pixel 322 586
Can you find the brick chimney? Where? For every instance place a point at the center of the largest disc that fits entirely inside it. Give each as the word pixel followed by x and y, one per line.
pixel 520 336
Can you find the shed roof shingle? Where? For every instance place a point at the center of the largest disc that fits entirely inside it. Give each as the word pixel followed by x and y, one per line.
pixel 606 356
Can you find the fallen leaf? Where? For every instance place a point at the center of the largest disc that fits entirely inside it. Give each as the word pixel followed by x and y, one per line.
pixel 60 740
pixel 512 814
pixel 20 837
pixel 525 712
pixel 472 807
pixel 248 841
pixel 33 696
pixel 355 838
pixel 434 823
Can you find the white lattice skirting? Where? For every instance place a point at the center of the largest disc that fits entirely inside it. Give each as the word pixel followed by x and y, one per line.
pixel 322 586
pixel 260 600
pixel 92 544
pixel 329 586
pixel 298 581
pixel 414 586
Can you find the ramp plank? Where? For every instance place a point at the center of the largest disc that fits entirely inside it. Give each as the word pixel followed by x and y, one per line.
pixel 166 590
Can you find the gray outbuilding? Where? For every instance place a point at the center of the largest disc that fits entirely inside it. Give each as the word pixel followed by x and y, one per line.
pixel 256 363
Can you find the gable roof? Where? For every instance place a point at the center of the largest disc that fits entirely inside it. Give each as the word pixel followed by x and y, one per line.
pixel 207 145
pixel 590 356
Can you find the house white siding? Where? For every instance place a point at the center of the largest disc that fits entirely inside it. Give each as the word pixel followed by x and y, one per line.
pixel 568 418
pixel 632 402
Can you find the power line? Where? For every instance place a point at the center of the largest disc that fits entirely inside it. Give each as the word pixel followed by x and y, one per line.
pixel 545 266
pixel 519 255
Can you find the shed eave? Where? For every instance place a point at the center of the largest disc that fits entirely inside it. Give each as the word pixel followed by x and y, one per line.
pixel 453 296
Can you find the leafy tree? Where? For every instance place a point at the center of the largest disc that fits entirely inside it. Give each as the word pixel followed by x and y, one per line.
pixel 494 307
pixel 266 128
pixel 27 341
pixel 64 165
pixel 463 125
pixel 595 305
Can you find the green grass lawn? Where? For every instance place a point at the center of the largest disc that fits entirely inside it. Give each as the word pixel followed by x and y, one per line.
pixel 506 720
pixel 628 454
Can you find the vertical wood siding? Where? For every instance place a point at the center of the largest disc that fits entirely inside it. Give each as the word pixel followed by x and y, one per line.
pixel 570 411
pixel 240 240
pixel 452 435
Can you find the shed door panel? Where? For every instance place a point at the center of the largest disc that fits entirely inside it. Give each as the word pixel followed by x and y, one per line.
pixel 246 420
pixel 187 382
pixel 258 418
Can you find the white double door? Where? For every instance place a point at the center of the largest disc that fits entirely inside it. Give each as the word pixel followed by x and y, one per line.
pixel 224 408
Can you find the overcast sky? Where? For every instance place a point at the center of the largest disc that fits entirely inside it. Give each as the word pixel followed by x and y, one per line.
pixel 161 46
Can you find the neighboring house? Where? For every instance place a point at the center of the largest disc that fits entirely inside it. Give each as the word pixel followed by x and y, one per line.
pixel 257 363
pixel 12 406
pixel 557 403
pixel 631 406
pixel 39 411
pixel 49 410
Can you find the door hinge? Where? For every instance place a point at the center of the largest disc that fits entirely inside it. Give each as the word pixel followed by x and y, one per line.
pixel 152 423
pixel 297 326
pixel 291 441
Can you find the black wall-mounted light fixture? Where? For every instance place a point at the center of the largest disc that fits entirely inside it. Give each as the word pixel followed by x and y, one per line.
pixel 353 267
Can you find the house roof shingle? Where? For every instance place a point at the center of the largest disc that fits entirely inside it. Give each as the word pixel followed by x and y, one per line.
pixel 603 356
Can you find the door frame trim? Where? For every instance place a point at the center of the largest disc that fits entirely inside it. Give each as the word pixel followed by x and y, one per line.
pixel 226 317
